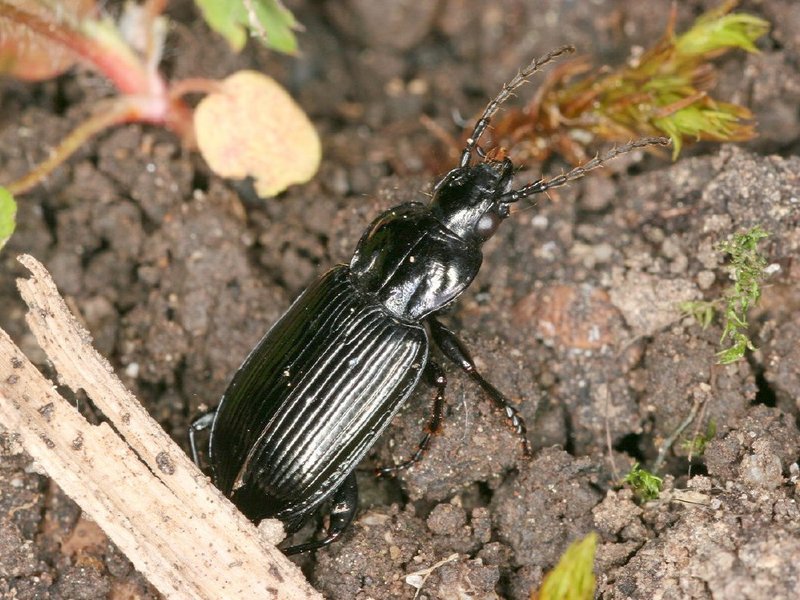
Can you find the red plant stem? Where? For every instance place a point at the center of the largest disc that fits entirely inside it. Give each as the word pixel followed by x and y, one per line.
pixel 179 118
pixel 125 109
pixel 115 112
pixel 123 68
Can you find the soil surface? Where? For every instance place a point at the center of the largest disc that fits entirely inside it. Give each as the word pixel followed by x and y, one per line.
pixel 177 274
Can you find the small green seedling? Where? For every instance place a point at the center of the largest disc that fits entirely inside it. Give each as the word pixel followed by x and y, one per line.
pixel 644 484
pixel 665 91
pixel 573 577
pixel 747 271
pixel 696 446
pixel 8 214
pixel 267 136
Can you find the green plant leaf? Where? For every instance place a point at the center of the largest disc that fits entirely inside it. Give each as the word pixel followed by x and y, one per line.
pixel 8 213
pixel 573 577
pixel 714 32
pixel 267 20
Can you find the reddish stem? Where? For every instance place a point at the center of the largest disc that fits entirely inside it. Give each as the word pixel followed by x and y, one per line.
pixel 115 112
pixel 124 69
pixel 125 109
pixel 145 97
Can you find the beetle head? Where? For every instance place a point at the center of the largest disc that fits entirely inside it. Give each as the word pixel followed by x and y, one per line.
pixel 470 200
pixel 473 199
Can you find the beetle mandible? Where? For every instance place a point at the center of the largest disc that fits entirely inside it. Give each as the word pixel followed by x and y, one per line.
pixel 325 381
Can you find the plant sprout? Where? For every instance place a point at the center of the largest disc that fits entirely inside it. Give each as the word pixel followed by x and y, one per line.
pixel 573 577
pixel 8 214
pixel 39 42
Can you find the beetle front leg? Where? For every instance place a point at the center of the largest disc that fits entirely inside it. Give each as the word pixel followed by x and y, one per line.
pixel 345 505
pixel 454 350
pixel 434 375
pixel 201 423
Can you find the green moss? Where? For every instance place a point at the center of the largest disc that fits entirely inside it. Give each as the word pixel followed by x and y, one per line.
pixel 665 91
pixel 644 484
pixel 747 271
pixel 697 445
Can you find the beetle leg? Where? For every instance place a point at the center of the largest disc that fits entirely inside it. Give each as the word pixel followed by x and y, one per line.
pixel 453 349
pixel 345 505
pixel 201 423
pixel 435 377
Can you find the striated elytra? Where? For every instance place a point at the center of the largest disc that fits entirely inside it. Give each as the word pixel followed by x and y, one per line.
pixel 321 386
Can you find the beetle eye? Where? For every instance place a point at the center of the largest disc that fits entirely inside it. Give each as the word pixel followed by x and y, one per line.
pixel 487 225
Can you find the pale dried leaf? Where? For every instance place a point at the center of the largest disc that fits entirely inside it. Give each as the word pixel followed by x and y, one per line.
pixel 253 128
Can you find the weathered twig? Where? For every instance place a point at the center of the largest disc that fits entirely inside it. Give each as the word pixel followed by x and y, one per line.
pixel 133 480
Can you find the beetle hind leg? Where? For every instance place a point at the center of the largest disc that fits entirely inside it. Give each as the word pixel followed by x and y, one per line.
pixel 201 423
pixel 435 377
pixel 454 350
pixel 345 505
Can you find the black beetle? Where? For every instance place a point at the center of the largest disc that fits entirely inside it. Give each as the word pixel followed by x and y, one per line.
pixel 325 381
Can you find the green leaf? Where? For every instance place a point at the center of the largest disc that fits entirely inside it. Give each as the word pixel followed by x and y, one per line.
pixel 712 33
pixel 278 24
pixel 225 18
pixel 267 20
pixel 8 213
pixel 572 578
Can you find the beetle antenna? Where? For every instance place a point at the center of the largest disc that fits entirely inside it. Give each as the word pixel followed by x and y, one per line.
pixel 505 94
pixel 542 185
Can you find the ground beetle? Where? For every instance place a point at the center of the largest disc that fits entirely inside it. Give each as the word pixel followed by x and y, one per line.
pixel 325 381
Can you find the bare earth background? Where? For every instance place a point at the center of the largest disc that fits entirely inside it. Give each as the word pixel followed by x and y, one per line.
pixel 177 275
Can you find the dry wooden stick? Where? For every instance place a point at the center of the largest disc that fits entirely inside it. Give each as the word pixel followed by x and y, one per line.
pixel 133 480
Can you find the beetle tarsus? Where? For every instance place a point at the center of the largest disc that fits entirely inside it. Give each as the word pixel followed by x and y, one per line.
pixel 343 510
pixel 435 376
